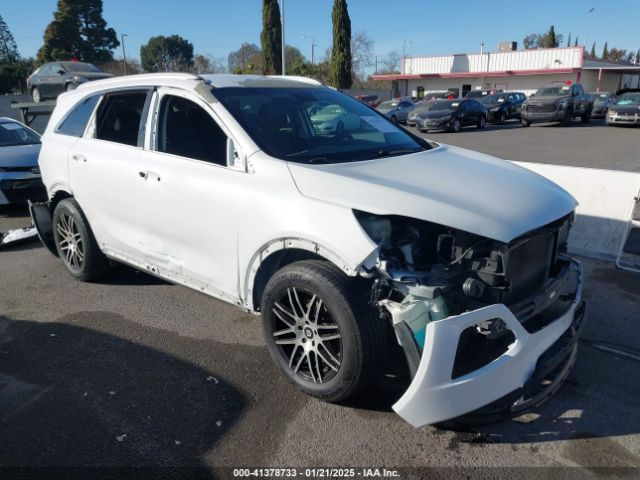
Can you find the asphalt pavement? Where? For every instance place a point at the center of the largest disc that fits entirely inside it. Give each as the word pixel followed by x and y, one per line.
pixel 131 371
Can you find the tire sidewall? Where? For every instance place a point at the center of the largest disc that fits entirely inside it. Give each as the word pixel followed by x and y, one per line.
pixel 456 126
pixel 71 208
pixel 351 345
pixel 38 98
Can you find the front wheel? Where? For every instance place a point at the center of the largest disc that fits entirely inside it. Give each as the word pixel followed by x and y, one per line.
pixel 36 95
pixel 394 119
pixel 455 126
pixel 320 331
pixel 566 121
pixel 502 118
pixel 586 117
pixel 482 122
pixel 525 123
pixel 70 86
pixel 75 243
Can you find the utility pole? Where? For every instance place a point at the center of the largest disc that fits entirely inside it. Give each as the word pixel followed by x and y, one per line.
pixel 284 59
pixel 124 55
pixel 586 35
pixel 313 45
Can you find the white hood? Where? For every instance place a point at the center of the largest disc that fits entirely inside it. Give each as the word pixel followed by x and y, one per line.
pixel 449 186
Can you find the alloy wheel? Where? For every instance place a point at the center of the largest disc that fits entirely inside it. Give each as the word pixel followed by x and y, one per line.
pixel 70 241
pixel 308 337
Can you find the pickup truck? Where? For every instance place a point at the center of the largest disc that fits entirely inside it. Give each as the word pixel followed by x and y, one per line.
pixel 557 103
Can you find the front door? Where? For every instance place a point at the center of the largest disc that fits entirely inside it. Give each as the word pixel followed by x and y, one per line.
pixel 191 196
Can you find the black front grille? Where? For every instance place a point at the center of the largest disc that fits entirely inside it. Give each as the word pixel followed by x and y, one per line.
pixel 541 108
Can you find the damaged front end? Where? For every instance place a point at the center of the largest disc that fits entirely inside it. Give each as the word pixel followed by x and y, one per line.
pixel 486 327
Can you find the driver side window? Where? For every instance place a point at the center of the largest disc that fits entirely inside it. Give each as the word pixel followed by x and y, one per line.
pixel 185 129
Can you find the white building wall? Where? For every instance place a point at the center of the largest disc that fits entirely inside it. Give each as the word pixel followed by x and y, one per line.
pixel 520 60
pixel 518 83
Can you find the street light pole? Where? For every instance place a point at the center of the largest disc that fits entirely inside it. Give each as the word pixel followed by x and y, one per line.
pixel 284 59
pixel 313 45
pixel 124 55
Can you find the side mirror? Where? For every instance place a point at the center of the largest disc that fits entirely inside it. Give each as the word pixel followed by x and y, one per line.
pixel 234 158
pixel 61 72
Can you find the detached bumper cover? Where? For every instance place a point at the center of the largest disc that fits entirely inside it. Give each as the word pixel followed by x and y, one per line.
pixel 433 396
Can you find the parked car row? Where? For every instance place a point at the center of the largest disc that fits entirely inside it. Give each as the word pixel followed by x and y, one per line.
pixel 553 103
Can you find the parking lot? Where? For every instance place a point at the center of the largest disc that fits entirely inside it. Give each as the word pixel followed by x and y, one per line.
pixel 133 371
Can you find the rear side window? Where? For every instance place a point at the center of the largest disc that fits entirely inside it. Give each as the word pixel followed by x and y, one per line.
pixel 76 122
pixel 119 118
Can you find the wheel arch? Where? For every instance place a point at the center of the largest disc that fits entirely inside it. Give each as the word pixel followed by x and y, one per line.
pixel 279 253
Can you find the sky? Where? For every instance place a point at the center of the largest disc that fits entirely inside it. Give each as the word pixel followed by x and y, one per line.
pixel 423 27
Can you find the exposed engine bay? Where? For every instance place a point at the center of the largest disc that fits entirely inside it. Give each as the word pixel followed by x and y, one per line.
pixel 428 272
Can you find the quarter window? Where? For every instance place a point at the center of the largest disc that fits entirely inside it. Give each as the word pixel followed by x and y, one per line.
pixel 76 122
pixel 119 118
pixel 187 130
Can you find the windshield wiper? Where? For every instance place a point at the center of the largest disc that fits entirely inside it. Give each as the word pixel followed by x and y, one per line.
pixel 391 153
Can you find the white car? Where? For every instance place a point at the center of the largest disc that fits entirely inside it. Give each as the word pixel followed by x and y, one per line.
pixel 344 245
pixel 333 119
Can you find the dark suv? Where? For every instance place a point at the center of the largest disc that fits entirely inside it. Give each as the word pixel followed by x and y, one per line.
pixel 51 79
pixel 557 103
pixel 503 106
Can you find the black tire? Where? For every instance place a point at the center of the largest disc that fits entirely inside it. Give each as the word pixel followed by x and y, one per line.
pixel 82 257
pixel 482 122
pixel 566 121
pixel 586 117
pixel 502 118
pixel 525 123
pixel 339 304
pixel 340 129
pixel 394 119
pixel 70 86
pixel 455 126
pixel 36 95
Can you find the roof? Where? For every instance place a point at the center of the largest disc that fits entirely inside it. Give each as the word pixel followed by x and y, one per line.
pixel 190 80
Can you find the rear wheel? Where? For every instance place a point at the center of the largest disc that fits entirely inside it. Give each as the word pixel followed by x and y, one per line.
pixel 36 95
pixel 586 117
pixel 75 243
pixel 394 119
pixel 320 331
pixel 482 122
pixel 502 118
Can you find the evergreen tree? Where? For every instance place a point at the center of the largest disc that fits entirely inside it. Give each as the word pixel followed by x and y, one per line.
pixel 569 40
pixel 637 56
pixel 340 74
pixel 552 40
pixel 78 31
pixel 8 48
pixel 576 44
pixel 593 50
pixel 271 38
pixel 605 51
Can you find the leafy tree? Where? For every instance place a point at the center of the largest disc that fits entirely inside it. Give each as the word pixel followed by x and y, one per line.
pixel 390 64
pixel 294 59
pixel 245 59
pixel 341 69
pixel 593 50
pixel 271 38
pixel 531 41
pixel 207 64
pixel 78 31
pixel 617 55
pixel 167 54
pixel 8 48
pixel 605 51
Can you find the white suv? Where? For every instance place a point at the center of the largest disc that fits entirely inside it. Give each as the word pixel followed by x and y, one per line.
pixel 347 241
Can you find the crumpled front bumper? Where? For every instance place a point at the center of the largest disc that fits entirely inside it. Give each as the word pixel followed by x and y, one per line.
pixel 434 396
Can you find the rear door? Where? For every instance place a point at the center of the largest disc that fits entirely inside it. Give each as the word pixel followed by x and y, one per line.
pixel 55 84
pixel 105 175
pixel 44 79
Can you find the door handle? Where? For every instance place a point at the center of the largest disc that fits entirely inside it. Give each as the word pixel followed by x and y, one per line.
pixel 142 174
pixel 148 175
pixel 78 157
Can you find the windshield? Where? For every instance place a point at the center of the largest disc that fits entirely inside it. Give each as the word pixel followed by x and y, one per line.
pixel 12 133
pixel 388 105
pixel 554 91
pixel 82 67
pixel 629 99
pixel 281 121
pixel 493 99
pixel 446 105
pixel 600 97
